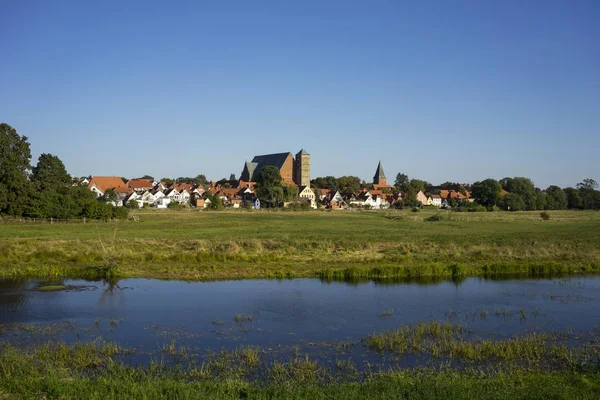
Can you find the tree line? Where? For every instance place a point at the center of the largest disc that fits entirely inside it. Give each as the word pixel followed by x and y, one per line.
pixel 44 190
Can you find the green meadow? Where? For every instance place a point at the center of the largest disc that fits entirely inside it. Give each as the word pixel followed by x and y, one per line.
pixel 200 245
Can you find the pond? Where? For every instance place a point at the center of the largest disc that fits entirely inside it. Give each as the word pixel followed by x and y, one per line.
pixel 146 314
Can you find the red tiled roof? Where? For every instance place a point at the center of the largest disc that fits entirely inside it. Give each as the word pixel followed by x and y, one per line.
pixel 109 182
pixel 140 183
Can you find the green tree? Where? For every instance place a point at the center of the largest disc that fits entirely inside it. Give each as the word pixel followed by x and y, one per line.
pixel 524 187
pixel 573 199
pixel 269 188
pixel 290 192
pixel 487 192
pixel 15 156
pixel 232 177
pixel 556 198
pixel 512 202
pixel 419 184
pixel 110 196
pixel 327 182
pixel 401 180
pixel 147 177
pixel 588 184
pixel 50 172
pixel 348 184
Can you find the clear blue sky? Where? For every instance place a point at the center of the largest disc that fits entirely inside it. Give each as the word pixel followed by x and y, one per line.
pixel 439 90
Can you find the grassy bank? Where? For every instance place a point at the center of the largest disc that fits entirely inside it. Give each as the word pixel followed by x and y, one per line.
pixel 330 245
pixel 92 371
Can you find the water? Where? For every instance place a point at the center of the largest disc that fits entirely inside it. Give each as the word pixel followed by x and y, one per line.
pixel 147 314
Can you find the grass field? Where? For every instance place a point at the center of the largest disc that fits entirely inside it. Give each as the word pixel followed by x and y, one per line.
pixel 335 245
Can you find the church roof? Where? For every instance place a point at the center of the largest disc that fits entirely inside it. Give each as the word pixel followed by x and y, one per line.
pixel 303 153
pixel 379 173
pixel 260 162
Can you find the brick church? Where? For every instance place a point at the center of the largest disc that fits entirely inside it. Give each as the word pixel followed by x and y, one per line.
pixel 293 170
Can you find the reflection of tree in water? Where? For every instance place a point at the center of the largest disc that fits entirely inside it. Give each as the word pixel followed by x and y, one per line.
pixel 12 294
pixel 112 293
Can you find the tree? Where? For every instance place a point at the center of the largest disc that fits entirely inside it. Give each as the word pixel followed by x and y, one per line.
pixel 290 192
pixel 201 180
pixel 419 184
pixel 487 192
pixel 327 182
pixel 524 187
pixel 15 156
pixel 401 180
pixel 268 188
pixel 167 181
pixel 587 184
pixel 573 199
pixel 512 202
pixel 232 177
pixel 348 184
pixel 50 172
pixel 110 196
pixel 556 198
pixel 150 177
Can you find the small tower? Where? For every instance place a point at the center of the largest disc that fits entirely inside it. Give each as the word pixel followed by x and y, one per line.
pixel 302 173
pixel 379 178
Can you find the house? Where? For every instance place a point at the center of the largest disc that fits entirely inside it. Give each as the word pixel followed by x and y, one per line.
pixel 133 197
pixel 305 192
pixel 100 184
pixel 436 200
pixel 184 196
pixel 141 185
pixel 148 198
pixel 172 195
pixel 256 203
pixel 421 198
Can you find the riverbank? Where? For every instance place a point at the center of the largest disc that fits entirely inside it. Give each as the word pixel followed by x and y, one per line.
pixel 331 245
pixel 93 371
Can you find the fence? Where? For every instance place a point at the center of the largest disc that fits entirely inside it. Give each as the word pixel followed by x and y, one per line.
pixel 25 220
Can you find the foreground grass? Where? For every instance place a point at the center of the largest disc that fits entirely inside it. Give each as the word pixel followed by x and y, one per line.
pixel 92 371
pixel 330 245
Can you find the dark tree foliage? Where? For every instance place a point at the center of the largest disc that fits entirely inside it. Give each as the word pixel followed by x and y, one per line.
pixel 487 192
pixel 573 199
pixel 512 202
pixel 348 184
pixel 556 198
pixel 269 188
pixel 327 182
pixel 15 156
pixel 523 187
pixel 232 177
pixel 401 180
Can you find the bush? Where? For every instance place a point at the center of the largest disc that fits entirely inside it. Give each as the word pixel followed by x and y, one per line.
pixel 175 206
pixel 545 216
pixel 436 217
pixel 415 209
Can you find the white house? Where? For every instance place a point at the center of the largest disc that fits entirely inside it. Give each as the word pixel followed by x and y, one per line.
pixel 436 200
pixel 184 196
pixel 305 192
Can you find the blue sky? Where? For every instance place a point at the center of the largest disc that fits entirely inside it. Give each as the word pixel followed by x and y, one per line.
pixel 439 90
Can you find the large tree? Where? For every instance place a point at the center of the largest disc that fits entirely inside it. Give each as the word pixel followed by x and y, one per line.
pixel 401 180
pixel 487 192
pixel 556 198
pixel 15 157
pixel 348 184
pixel 524 187
pixel 269 188
pixel 573 199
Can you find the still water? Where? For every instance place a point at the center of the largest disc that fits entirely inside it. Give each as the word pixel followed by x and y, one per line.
pixel 147 314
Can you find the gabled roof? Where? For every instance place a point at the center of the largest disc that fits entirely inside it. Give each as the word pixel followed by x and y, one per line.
pixel 379 174
pixel 140 183
pixel 109 182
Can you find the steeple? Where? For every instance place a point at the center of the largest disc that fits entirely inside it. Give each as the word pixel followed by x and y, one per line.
pixel 379 178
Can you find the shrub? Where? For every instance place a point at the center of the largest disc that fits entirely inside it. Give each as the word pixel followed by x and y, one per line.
pixel 175 206
pixel 545 216
pixel 436 217
pixel 415 209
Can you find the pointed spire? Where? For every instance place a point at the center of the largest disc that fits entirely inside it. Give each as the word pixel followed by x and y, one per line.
pixel 379 174
pixel 303 153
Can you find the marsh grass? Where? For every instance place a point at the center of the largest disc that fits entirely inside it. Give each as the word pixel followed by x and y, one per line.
pixel 50 288
pixel 285 245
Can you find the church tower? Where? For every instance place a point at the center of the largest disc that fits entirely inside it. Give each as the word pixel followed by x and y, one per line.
pixel 379 178
pixel 302 177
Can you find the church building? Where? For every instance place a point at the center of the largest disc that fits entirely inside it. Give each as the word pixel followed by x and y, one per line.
pixel 294 171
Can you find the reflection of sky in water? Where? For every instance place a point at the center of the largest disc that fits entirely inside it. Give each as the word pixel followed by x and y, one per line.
pixel 147 312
